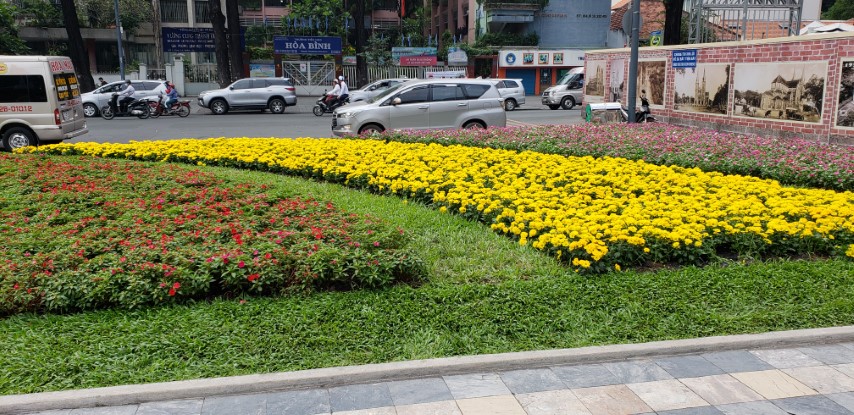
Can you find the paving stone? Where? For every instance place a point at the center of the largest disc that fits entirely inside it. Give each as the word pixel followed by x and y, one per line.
pixel 386 410
pixel 429 408
pixel 811 405
pixel 179 407
pixel 491 405
pixel 785 358
pixel 721 389
pixel 752 408
pixel 228 405
pixel 737 361
pixel 831 354
pixel 664 395
pixel 409 392
pixel 585 376
pixel 688 366
pixel 773 384
pixel 53 412
pixel 847 369
pixel 476 386
pixel 823 379
pixel 557 402
pixel 108 410
pixel 845 399
pixel 702 410
pixel 307 402
pixel 533 380
pixel 354 397
pixel 637 371
pixel 611 400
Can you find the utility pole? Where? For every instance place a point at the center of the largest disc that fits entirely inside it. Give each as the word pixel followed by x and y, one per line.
pixel 633 61
pixel 119 39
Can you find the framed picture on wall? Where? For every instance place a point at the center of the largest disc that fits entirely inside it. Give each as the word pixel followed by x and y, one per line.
pixel 544 59
pixel 651 81
pixel 594 82
pixel 528 58
pixel 845 100
pixel 779 91
pixel 557 58
pixel 704 88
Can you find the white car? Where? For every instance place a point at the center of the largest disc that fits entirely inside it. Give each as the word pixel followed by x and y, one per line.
pixel 95 100
pixel 512 91
pixel 375 88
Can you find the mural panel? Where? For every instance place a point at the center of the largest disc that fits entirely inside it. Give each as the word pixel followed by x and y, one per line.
pixel 651 82
pixel 594 78
pixel 845 103
pixel 702 89
pixel 617 80
pixel 792 91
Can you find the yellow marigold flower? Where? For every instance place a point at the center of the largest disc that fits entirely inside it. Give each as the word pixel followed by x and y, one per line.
pixel 850 251
pixel 617 267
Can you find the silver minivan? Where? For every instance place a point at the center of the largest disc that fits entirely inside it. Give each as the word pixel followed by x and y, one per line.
pixel 423 105
pixel 39 101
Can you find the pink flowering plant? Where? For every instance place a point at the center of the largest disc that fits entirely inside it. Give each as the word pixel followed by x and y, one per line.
pixel 87 233
pixel 791 161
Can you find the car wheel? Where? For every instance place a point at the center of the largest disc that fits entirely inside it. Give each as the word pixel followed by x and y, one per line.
pixel 473 125
pixel 554 107
pixel 18 137
pixel 277 106
pixel 219 106
pixel 370 129
pixel 510 105
pixel 567 103
pixel 90 110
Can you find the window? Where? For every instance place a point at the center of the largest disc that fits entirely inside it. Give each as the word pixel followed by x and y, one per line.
pixel 151 85
pixel 414 95
pixel 23 88
pixel 173 11
pixel 509 84
pixel 474 91
pixel 279 82
pixel 202 10
pixel 448 93
pixel 242 84
pixel 259 83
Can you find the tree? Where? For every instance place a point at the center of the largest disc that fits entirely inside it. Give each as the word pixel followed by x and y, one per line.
pixel 814 88
pixel 840 10
pixel 76 50
pixel 673 21
pixel 361 63
pixel 378 51
pixel 158 34
pixel 221 44
pixel 235 52
pixel 10 43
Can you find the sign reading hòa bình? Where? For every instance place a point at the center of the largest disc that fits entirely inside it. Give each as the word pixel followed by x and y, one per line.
pixel 307 45
pixel 685 58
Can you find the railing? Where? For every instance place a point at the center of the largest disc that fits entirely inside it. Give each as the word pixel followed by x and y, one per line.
pixel 202 72
pixel 155 73
pixel 309 72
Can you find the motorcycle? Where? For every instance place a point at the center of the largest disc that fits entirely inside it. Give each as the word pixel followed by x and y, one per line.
pixel 156 107
pixel 321 107
pixel 642 114
pixel 138 108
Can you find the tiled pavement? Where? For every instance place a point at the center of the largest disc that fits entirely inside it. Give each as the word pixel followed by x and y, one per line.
pixel 817 380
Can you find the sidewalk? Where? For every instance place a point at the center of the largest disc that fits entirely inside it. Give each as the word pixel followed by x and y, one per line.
pixel 803 372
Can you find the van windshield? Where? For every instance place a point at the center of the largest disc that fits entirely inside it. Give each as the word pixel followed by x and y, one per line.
pixel 567 78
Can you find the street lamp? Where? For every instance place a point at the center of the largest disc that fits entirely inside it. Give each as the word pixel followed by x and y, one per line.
pixel 119 38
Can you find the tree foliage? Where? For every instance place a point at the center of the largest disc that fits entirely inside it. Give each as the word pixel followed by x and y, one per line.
pixel 378 51
pixel 10 43
pixel 840 10
pixel 101 14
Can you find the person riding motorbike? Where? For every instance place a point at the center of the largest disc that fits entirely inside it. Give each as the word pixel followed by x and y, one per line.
pixel 345 91
pixel 172 96
pixel 126 96
pixel 332 95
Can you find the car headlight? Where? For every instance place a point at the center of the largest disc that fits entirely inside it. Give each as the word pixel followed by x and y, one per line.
pixel 347 114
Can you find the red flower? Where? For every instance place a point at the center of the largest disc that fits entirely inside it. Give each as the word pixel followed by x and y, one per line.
pixel 176 285
pixel 162 285
pixel 241 264
pixel 252 277
pixel 376 243
pixel 268 255
pixel 172 292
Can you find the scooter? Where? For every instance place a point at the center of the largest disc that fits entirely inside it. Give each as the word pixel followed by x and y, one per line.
pixel 642 114
pixel 180 108
pixel 321 108
pixel 138 108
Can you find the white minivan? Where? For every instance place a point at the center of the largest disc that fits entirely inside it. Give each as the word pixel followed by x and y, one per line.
pixel 39 101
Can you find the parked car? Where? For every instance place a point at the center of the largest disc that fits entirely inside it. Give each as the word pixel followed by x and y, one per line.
pixel 39 101
pixel 97 99
pixel 424 104
pixel 274 94
pixel 568 92
pixel 375 88
pixel 512 91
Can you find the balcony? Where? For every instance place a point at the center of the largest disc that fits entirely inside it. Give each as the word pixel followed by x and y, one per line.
pixel 500 13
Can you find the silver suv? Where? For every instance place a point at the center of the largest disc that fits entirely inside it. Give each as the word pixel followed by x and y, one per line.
pixel 251 94
pixel 512 91
pixel 422 105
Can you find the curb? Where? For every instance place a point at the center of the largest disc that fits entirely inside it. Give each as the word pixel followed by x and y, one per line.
pixel 382 372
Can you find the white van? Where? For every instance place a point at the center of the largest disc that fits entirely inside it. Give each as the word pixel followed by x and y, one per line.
pixel 39 101
pixel 567 92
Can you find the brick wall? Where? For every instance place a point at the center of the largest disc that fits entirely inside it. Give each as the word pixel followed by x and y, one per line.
pixel 795 59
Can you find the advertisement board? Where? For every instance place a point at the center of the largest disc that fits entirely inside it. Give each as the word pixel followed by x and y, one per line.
pixel 558 57
pixel 307 45
pixel 185 39
pixel 399 52
pixel 418 60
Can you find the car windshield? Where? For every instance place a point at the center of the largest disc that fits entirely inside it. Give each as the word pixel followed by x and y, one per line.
pixel 370 85
pixel 385 93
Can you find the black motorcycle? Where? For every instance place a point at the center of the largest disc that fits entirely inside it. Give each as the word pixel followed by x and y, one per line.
pixel 642 114
pixel 321 107
pixel 135 108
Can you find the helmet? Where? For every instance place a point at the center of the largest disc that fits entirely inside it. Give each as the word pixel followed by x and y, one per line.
pixel 127 81
pixel 341 77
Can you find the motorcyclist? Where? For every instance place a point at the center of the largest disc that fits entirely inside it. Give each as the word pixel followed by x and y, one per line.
pixel 171 94
pixel 644 109
pixel 332 95
pixel 126 96
pixel 345 91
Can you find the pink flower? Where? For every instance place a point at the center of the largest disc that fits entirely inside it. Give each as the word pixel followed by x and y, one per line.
pixel 376 243
pixel 241 264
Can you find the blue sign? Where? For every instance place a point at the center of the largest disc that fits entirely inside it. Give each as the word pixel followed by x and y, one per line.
pixel 685 58
pixel 178 39
pixel 307 45
pixel 510 58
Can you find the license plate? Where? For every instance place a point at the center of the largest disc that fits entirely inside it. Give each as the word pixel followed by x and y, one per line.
pixel 334 122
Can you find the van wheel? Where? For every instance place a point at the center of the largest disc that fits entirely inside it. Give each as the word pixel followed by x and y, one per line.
pixel 473 125
pixel 219 107
pixel 90 110
pixel 17 137
pixel 370 129
pixel 277 106
pixel 510 105
pixel 567 103
pixel 554 107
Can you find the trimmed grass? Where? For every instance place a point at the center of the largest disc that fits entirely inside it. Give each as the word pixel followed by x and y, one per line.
pixel 486 295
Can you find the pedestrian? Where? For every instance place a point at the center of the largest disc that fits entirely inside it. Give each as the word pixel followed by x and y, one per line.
pixel 101 81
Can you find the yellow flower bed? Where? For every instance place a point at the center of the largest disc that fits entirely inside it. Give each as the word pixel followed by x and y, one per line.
pixel 596 214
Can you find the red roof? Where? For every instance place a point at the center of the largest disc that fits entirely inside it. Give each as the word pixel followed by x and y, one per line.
pixel 651 12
